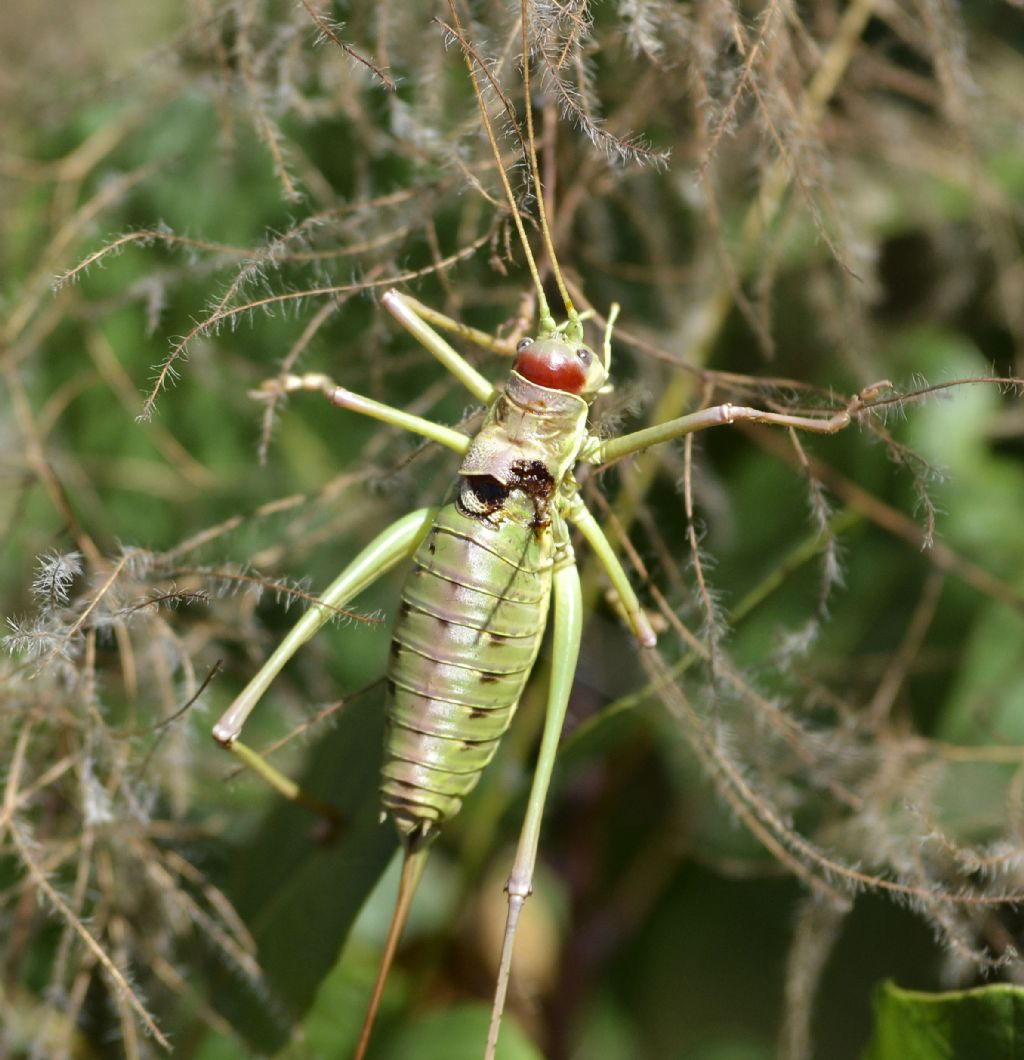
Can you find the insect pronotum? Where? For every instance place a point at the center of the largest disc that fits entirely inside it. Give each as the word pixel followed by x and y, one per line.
pixel 486 570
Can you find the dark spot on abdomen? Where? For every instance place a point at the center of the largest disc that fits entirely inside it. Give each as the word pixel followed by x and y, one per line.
pixel 481 495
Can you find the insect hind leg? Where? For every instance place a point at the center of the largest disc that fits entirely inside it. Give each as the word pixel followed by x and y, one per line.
pixel 389 548
pixel 567 607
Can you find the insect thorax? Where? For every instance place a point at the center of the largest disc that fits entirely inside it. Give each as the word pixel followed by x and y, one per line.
pixel 528 423
pixel 528 444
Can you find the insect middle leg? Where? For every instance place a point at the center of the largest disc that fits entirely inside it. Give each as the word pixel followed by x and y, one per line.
pixel 636 618
pixel 344 398
pixel 607 450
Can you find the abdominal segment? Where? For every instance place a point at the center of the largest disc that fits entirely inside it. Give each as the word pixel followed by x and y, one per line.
pixel 468 630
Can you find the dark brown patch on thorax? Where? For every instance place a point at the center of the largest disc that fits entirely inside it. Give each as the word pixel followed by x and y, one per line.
pixel 534 479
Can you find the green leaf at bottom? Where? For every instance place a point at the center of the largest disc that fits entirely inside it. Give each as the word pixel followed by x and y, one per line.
pixel 982 1024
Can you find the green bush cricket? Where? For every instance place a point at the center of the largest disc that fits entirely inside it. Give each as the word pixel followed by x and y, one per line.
pixel 487 568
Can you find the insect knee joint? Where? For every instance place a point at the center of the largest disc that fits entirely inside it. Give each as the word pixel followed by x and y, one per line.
pixel 518 888
pixel 224 735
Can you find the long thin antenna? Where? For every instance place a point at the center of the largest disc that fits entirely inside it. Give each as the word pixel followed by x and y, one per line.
pixel 546 321
pixel 575 331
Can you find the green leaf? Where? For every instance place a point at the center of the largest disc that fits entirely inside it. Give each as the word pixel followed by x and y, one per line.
pixel 982 1024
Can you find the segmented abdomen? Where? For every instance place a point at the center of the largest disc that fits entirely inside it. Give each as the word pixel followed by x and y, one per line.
pixel 469 626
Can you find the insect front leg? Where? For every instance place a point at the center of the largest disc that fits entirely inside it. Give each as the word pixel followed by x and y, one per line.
pixel 506 346
pixel 567 606
pixel 411 315
pixel 389 548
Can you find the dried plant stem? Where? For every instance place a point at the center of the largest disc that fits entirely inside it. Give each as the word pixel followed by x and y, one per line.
pixel 817 928
pixel 22 845
pixel 710 317
pixel 896 523
pixel 230 314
